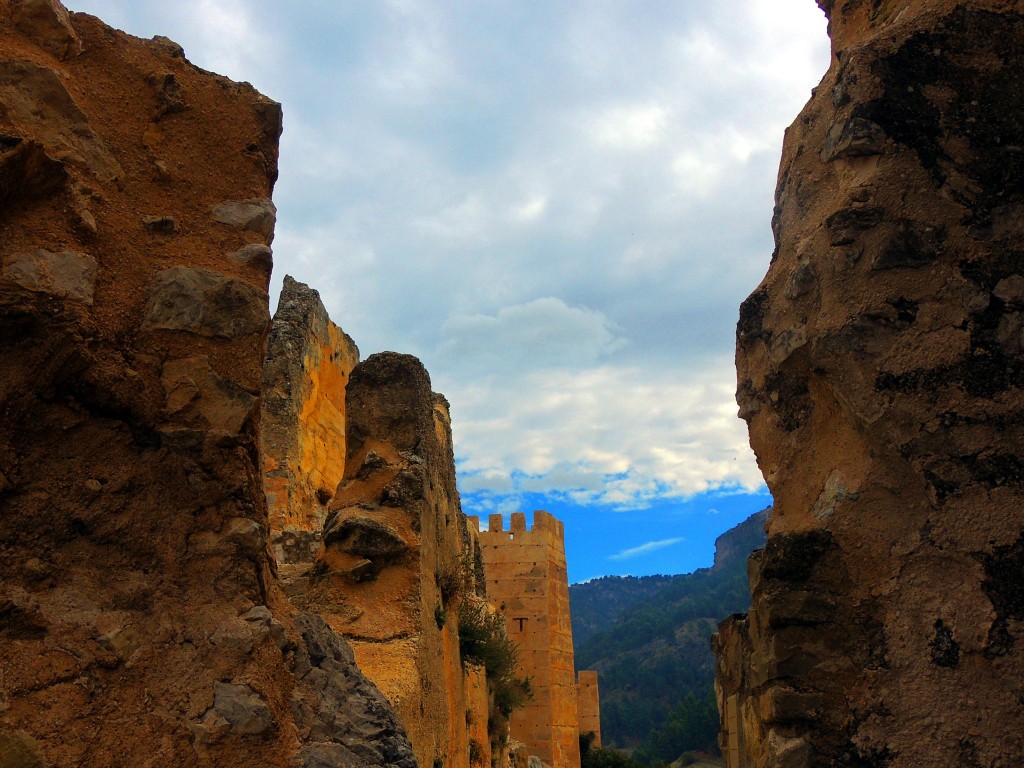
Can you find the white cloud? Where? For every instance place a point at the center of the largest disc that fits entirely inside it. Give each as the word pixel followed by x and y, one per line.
pixel 415 65
pixel 559 211
pixel 606 434
pixel 540 334
pixel 632 127
pixel 643 549
pixel 230 41
pixel 530 210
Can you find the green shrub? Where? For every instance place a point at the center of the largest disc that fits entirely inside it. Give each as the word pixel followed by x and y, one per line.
pixel 596 757
pixel 440 616
pixel 483 641
pixel 511 694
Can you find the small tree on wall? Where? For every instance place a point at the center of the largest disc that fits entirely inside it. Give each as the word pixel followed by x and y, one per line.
pixel 483 642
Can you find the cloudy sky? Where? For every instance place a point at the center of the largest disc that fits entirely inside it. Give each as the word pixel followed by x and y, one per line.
pixel 558 206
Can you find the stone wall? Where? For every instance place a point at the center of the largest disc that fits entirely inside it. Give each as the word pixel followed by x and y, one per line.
pixel 140 619
pixel 308 362
pixel 477 710
pixel 588 705
pixel 392 566
pixel 880 372
pixel 528 582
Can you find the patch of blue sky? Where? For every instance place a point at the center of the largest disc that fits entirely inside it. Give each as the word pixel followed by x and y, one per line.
pixel 598 535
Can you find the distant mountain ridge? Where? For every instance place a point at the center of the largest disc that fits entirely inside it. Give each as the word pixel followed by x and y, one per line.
pixel 648 638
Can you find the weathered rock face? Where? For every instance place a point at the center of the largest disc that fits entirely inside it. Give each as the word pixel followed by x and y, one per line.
pixel 881 371
pixel 309 360
pixel 140 619
pixel 392 566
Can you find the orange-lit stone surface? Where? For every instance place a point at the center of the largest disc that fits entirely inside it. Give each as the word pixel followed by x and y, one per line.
pixel 880 370
pixel 588 704
pixel 394 532
pixel 309 360
pixel 141 623
pixel 527 581
pixel 476 714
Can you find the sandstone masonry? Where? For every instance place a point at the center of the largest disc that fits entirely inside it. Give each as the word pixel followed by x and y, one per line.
pixel 527 581
pixel 393 539
pixel 387 557
pixel 588 705
pixel 309 360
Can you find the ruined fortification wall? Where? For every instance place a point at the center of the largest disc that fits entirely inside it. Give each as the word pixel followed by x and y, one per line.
pixel 880 372
pixel 392 563
pixel 308 362
pixel 140 619
pixel 528 582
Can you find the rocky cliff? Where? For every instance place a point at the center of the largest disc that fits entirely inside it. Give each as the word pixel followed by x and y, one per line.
pixel 141 623
pixel 880 372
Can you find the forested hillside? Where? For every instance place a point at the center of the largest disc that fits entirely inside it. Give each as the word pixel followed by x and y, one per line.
pixel 653 655
pixel 597 603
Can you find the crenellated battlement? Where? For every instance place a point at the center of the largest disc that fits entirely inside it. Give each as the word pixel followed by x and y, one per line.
pixel 543 523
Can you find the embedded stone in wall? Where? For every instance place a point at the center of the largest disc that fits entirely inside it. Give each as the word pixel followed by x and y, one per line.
pixel 205 303
pixel 257 216
pixel 254 255
pixel 199 397
pixel 63 275
pixel 881 376
pixel 42 111
pixel 46 23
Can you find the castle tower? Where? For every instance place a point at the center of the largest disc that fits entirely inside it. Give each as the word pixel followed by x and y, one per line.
pixel 588 704
pixel 528 582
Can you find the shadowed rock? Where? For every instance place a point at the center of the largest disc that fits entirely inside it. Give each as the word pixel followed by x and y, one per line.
pixel 63 275
pixel 204 302
pixel 248 215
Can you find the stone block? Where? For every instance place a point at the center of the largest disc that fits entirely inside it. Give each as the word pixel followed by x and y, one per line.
pixel 46 23
pixel 257 216
pixel 205 303
pixel 64 275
